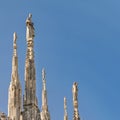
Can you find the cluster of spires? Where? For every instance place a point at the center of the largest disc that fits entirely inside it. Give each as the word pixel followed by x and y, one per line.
pixel 30 110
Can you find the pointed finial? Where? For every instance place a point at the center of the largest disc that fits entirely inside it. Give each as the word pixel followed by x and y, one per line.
pixel 65 109
pixel 14 44
pixel 14 37
pixel 43 73
pixel 65 105
pixel 30 15
pixel 44 78
pixel 75 101
pixel 29 18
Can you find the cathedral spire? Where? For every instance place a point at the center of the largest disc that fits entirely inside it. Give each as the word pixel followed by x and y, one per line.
pixel 45 115
pixel 44 91
pixel 14 101
pixel 30 100
pixel 75 101
pixel 14 44
pixel 30 37
pixel 65 109
pixel 44 79
pixel 30 80
pixel 15 58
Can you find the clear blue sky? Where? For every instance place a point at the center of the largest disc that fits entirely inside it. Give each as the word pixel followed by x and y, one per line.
pixel 76 40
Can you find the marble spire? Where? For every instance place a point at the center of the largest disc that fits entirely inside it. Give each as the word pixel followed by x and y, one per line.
pixel 45 115
pixel 14 44
pixel 75 101
pixel 30 78
pixel 44 91
pixel 15 58
pixel 65 109
pixel 30 104
pixel 14 97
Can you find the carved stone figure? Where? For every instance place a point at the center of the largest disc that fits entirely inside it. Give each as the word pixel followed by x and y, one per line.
pixel 30 27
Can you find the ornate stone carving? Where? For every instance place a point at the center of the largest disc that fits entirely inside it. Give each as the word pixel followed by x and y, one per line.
pixel 30 105
pixel 30 27
pixel 14 98
pixel 45 115
pixel 30 100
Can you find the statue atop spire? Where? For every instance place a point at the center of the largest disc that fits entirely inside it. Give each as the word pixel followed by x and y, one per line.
pixel 65 109
pixel 30 37
pixel 75 101
pixel 30 102
pixel 30 28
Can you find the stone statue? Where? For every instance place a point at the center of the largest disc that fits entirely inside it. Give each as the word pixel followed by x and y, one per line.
pixel 30 27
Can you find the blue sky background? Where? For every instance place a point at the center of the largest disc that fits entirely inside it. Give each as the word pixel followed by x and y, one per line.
pixel 76 40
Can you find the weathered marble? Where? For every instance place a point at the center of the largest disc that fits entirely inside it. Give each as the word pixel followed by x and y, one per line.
pixel 30 105
pixel 28 109
pixel 3 116
pixel 14 97
pixel 65 109
pixel 75 101
pixel 45 115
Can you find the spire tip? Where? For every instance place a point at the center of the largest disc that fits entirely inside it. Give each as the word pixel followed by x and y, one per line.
pixel 43 73
pixel 14 37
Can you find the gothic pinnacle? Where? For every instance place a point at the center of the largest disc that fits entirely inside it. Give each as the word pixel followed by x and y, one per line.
pixel 30 37
pixel 14 59
pixel 14 44
pixel 75 101
pixel 30 102
pixel 44 78
pixel 44 91
pixel 45 115
pixel 14 97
